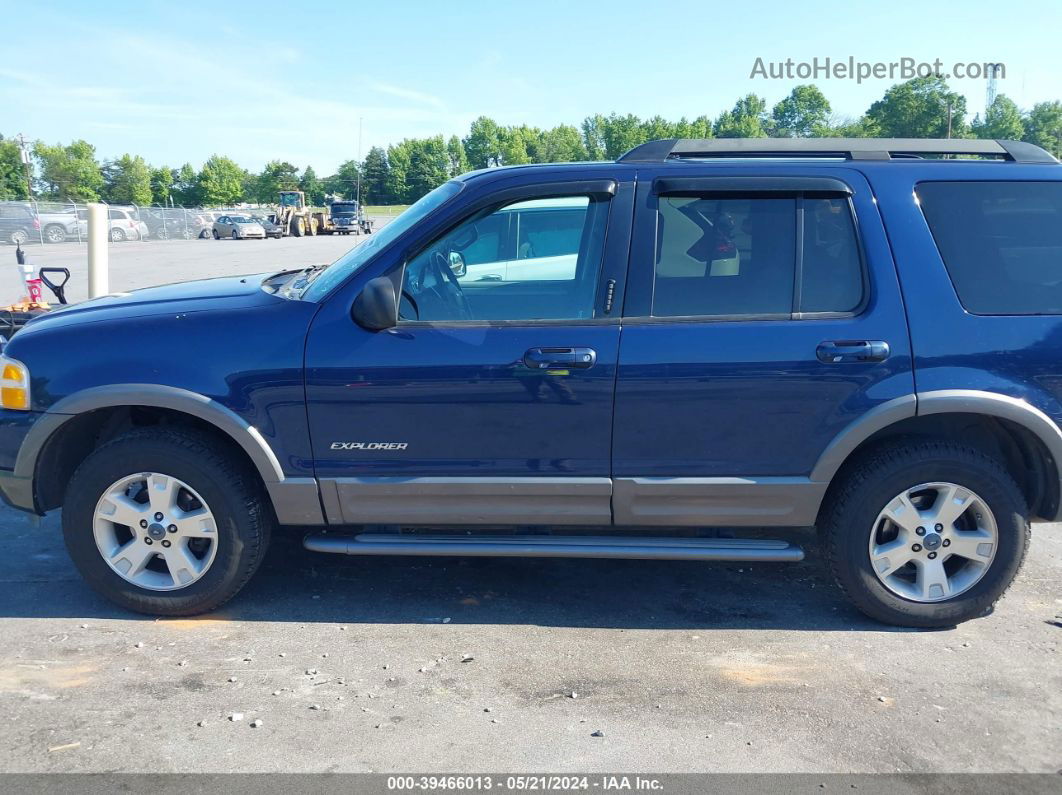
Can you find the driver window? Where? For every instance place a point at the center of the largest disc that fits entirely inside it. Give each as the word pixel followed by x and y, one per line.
pixel 529 260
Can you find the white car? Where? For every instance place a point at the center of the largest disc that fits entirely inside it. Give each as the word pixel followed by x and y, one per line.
pixel 123 225
pixel 535 240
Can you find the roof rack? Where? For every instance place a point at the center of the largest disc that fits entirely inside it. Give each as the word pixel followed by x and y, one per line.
pixel 848 148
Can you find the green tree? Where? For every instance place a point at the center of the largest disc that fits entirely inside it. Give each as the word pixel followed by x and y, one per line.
pixel 919 109
pixel 483 144
pixel 455 152
pixel 376 178
pixel 429 166
pixel 312 187
pixel 1043 126
pixel 163 180
pixel 277 175
pixel 516 145
pixel 186 186
pixel 398 158
pixel 220 181
pixel 345 181
pixel 12 172
pixel 127 180
pixel 562 144
pixel 699 128
pixel 747 119
pixel 622 133
pixel 846 127
pixel 1002 120
pixel 593 129
pixel 802 114
pixel 69 172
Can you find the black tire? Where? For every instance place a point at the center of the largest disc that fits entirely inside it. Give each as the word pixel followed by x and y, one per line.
pixel 235 235
pixel 215 233
pixel 228 485
pixel 117 235
pixel 54 233
pixel 18 237
pixel 297 228
pixel 856 500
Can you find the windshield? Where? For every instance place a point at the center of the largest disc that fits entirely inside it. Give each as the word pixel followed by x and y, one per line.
pixel 344 209
pixel 350 262
pixel 239 219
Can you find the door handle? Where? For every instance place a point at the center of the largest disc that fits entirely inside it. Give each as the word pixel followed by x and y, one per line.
pixel 567 358
pixel 838 351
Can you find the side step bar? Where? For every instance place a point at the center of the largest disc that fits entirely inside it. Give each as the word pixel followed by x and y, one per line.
pixel 745 549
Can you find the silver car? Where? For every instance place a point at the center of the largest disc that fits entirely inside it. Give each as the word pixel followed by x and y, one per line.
pixel 237 227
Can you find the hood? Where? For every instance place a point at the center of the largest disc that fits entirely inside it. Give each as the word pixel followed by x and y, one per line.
pixel 229 293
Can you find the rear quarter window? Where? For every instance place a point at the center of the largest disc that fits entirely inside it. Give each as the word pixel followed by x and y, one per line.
pixel 1001 243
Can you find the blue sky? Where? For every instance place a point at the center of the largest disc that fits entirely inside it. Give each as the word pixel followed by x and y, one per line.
pixel 179 81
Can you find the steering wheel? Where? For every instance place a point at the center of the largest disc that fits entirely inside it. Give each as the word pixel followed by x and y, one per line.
pixel 452 293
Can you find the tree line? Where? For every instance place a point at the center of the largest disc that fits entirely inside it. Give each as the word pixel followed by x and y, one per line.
pixel 924 107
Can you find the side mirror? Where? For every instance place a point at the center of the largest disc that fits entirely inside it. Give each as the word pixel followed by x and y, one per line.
pixel 376 307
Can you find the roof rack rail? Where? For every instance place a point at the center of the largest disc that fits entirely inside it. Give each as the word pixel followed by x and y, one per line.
pixel 848 148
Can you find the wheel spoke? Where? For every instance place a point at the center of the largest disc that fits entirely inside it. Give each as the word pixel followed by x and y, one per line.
pixel 131 558
pixel 952 502
pixel 183 566
pixel 196 524
pixel 932 579
pixel 887 559
pixel 903 514
pixel 120 509
pixel 974 545
pixel 162 492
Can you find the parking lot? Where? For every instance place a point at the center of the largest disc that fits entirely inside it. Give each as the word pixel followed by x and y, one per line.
pixel 460 665
pixel 385 664
pixel 135 264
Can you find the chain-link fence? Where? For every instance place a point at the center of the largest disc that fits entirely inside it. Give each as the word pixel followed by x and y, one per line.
pixel 43 223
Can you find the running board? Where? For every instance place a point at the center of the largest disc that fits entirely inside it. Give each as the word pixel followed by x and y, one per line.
pixel 744 549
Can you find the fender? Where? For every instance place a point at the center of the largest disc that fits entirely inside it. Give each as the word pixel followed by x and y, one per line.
pixel 295 500
pixel 943 401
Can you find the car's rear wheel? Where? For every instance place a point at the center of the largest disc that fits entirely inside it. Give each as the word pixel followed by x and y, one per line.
pixel 18 237
pixel 925 534
pixel 215 233
pixel 117 235
pixel 161 521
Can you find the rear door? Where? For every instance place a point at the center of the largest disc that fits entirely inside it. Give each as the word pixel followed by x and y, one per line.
pixel 763 317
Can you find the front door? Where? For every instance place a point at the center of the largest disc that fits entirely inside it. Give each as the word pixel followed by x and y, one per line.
pixel 491 401
pixel 763 317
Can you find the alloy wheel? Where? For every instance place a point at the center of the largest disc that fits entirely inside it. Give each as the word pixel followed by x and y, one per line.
pixel 155 531
pixel 933 542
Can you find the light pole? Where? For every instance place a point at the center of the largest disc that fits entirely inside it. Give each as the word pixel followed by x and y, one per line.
pixel 360 120
pixel 25 156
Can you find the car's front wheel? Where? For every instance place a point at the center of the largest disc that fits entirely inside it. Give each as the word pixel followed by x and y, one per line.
pixel 925 533
pixel 162 521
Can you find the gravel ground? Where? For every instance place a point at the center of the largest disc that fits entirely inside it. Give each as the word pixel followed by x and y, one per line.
pixel 381 664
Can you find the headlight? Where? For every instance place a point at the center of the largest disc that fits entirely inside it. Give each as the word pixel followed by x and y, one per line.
pixel 14 385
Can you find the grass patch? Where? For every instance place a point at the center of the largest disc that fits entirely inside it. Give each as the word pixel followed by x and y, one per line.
pixel 384 209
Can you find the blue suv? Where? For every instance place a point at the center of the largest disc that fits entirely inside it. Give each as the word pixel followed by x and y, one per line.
pixel 588 360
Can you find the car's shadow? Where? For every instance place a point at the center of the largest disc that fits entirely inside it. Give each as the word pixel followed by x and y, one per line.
pixel 38 581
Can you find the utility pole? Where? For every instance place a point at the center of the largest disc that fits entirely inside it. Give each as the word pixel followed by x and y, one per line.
pixel 25 156
pixel 949 118
pixel 360 120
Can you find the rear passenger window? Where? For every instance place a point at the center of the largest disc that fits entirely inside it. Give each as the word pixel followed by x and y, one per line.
pixel 755 257
pixel 1001 243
